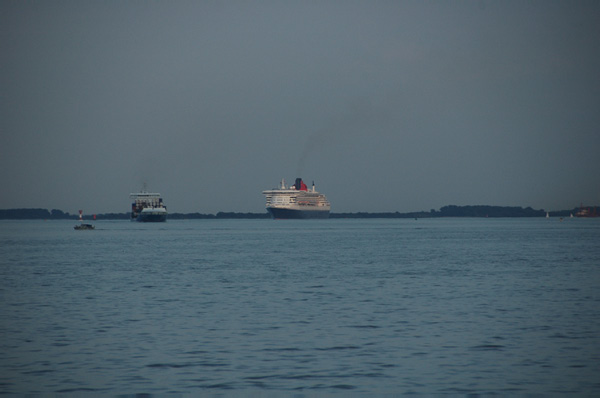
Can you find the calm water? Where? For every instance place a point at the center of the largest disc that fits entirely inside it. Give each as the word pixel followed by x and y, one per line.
pixel 301 308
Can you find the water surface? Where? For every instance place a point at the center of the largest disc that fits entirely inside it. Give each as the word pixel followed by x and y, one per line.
pixel 301 308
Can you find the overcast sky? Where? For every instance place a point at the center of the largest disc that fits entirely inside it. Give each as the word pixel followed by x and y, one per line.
pixel 386 105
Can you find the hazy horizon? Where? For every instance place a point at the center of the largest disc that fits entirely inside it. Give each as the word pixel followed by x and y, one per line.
pixel 388 106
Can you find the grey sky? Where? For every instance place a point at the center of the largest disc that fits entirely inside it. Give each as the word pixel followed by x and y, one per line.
pixel 387 105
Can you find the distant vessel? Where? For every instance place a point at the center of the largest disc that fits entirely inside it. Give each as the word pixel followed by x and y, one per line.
pixel 587 212
pixel 296 201
pixel 148 207
pixel 83 226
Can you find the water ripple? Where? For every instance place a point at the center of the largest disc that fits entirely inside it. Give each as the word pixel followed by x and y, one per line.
pixel 339 307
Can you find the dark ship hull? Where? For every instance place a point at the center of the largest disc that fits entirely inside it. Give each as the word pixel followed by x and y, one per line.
pixel 152 217
pixel 285 214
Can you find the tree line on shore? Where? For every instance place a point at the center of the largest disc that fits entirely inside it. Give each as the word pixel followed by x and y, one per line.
pixel 446 211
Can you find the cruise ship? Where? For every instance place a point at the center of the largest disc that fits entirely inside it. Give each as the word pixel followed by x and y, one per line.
pixel 148 207
pixel 296 201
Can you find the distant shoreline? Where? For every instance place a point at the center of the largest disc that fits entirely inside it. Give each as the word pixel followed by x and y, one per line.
pixel 482 211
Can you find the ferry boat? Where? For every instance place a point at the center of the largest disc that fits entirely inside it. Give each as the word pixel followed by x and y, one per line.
pixel 148 207
pixel 296 201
